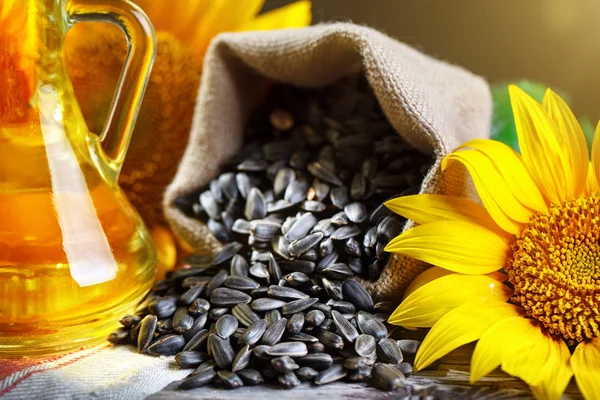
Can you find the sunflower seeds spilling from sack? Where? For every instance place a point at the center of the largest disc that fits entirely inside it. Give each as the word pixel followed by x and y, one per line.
pixel 300 211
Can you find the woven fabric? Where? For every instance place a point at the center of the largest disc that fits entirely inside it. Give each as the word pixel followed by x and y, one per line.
pixel 105 372
pixel 433 105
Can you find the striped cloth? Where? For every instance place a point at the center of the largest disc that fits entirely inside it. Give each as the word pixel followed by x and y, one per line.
pixel 104 372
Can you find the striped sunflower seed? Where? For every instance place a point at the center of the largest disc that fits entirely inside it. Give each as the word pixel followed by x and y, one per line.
pixel 243 184
pixel 314 318
pixel 182 320
pixel 198 341
pixel 264 230
pixel 146 333
pixel 295 323
pixel 274 333
pixel 408 346
pixel 241 283
pixel 221 350
pixel 369 325
pixel 255 205
pixel 291 349
pixel 330 339
pixel 344 328
pixel 286 293
pixel 200 379
pixel 288 380
pixel 355 293
pixel 217 281
pixel 272 316
pixel 190 359
pixel 228 297
pixel 300 246
pixel 238 266
pixel 230 379
pixel 283 178
pixel 296 278
pixel 331 374
pixel 306 374
pixel 301 227
pixel 255 332
pixel 251 377
pixel 242 359
pixel 226 326
pixel 266 304
pixel 296 306
pixel 244 314
pixel 284 364
pixel 318 361
pixel 365 345
pixel 167 345
pixel 303 337
pixel 387 377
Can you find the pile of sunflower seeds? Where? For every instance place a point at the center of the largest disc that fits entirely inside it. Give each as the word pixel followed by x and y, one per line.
pixel 300 211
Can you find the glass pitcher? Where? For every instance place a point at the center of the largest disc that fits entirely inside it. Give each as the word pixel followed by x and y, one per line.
pixel 74 254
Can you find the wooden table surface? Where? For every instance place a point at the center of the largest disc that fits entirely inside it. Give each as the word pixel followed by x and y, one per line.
pixel 447 379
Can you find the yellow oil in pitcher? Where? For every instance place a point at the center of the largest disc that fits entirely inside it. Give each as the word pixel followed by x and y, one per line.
pixel 74 254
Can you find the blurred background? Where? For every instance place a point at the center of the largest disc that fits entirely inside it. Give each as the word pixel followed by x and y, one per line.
pixel 556 42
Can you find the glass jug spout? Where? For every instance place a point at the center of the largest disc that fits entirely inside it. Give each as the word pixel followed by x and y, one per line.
pixel 74 254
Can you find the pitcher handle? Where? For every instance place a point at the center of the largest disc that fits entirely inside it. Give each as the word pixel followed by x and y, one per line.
pixel 141 41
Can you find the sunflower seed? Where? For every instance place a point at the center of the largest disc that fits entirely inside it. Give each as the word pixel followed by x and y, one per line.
pixel 388 351
pixel 264 230
pixel 238 266
pixel 241 283
pixel 328 259
pixel 379 214
pixel 365 345
pixel 361 374
pixel 243 184
pixel 313 206
pixel 259 271
pixel 210 205
pixel 167 345
pixel 314 318
pixel 200 379
pixel 190 295
pixel 355 293
pixel 355 363
pixel 228 297
pixel 306 267
pixel 283 178
pixel 387 377
pixel 369 325
pixel 325 226
pixel 303 337
pixel 129 320
pixel 296 191
pixel 344 328
pixel 301 227
pixel 227 252
pixel 321 189
pixel 296 278
pixel 266 304
pixel 316 347
pixel 230 379
pixel 146 333
pixel 389 228
pixel 222 352
pixel 405 368
pixel 408 346
pixel 337 271
pixel 286 293
pixel 340 219
pixel 288 380
pixel 244 314
pixel 210 364
pixel 190 359
pixel 295 323
pixel 326 309
pixel 284 364
pixel 241 226
pixel 358 188
pixel 251 377
pixel 323 173
pixel 216 313
pixel 226 326
pixel 272 316
pixel 331 374
pixel 339 196
pixel 297 305
pixel 344 306
pixel 274 269
pixel 291 349
pixel 182 320
pixel 300 246
pixel 199 323
pixel 242 359
pixel 330 339
pixel 356 212
pixel 346 232
pixel 164 307
pixel 255 205
pixel 333 289
pixel 119 336
pixel 274 333
pixel 255 332
pixel 306 373
pixel 252 165
pixel 196 342
pixel 259 292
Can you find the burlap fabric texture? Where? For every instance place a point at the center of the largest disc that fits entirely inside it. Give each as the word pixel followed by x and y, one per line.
pixel 434 106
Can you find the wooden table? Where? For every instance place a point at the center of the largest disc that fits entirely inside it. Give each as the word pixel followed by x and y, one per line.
pixel 447 379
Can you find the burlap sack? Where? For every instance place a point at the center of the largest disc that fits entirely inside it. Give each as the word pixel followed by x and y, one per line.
pixel 434 106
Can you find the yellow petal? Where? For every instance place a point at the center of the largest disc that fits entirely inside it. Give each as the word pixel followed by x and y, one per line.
pixel 586 366
pixel 460 326
pixel 596 153
pixel 591 184
pixel 430 302
pixel 455 245
pixel 572 141
pixel 424 208
pixel 510 165
pixel 556 373
pixel 542 146
pixel 508 212
pixel 295 15
pixel 425 277
pixel 515 334
pixel 528 363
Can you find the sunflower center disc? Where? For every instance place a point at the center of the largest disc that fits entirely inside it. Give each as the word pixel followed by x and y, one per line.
pixel 555 269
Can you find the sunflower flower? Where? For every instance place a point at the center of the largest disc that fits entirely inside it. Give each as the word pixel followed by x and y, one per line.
pixel 518 272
